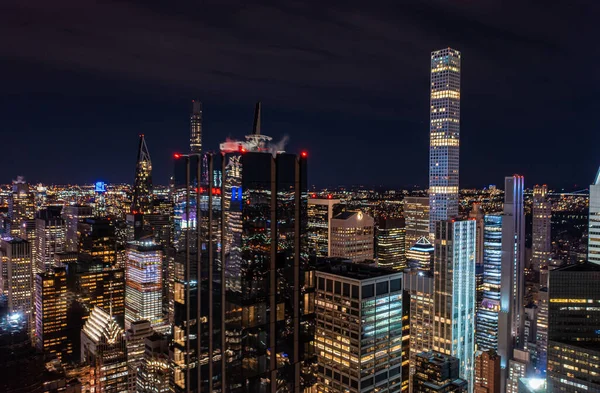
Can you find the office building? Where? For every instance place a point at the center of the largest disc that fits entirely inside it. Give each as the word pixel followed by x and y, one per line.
pixel 320 213
pixel 153 372
pixel 477 214
pixel 487 372
pixel 98 241
pixel 594 222
pixel 530 312
pixel 518 367
pixel 21 206
pixel 17 276
pixel 352 236
pixel 357 351
pixel 512 284
pixel 436 372
pixel 444 135
pixel 144 280
pixel 573 323
pixel 454 293
pixel 51 314
pixel 50 237
pixel 73 215
pixel 103 348
pixel 391 243
pixel 419 286
pixel 416 216
pixel 420 255
pixel 135 338
pixel 542 331
pixel 196 127
pixel 142 188
pixel 487 314
pixel 541 243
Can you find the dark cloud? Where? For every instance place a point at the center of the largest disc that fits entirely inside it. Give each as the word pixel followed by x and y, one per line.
pixel 347 80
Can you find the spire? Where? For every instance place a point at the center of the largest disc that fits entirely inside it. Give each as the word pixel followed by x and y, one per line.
pixel 256 129
pixel 142 189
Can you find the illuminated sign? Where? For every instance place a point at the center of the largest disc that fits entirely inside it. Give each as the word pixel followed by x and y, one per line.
pixel 100 187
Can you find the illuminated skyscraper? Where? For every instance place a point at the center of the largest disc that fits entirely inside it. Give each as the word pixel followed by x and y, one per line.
pixel 143 289
pixel 103 348
pixel 142 188
pixel 135 337
pixel 352 236
pixel 487 314
pixel 420 255
pixel 454 293
pixel 511 318
pixel 573 324
pixel 320 213
pixel 196 127
pixel 50 237
pixel 391 243
pixel 153 373
pixel 416 217
pixel 73 215
pixel 21 206
pixel 444 135
pixel 51 313
pixel 541 241
pixel 518 368
pixel 17 276
pixel 477 215
pixel 594 222
pixel 436 372
pixel 487 372
pixel 365 351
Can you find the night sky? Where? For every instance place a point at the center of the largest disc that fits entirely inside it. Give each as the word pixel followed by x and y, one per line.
pixel 80 79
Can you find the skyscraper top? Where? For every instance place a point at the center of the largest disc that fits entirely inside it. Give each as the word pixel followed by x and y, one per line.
pixel 256 128
pixel 196 127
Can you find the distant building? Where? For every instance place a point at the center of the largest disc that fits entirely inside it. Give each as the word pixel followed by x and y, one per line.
pixel 51 313
pixel 17 276
pixel 196 127
pixel 477 214
pixel 541 244
pixel 454 293
pixel 420 255
pixel 320 213
pixel 573 329
pixel 349 299
pixel 352 236
pixel 98 241
pixel 103 348
pixel 73 215
pixel 487 372
pixel 391 243
pixel 142 188
pixel 21 205
pixel 436 372
pixel 416 216
pixel 50 237
pixel 594 222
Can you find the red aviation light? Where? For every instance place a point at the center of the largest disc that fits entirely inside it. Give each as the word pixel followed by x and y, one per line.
pixel 329 196
pixel 177 155
pixel 304 154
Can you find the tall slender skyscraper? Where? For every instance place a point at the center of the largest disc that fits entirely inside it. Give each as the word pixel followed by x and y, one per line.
pixel 416 216
pixel 542 215
pixel 510 329
pixel 444 135
pixel 142 189
pixel 196 127
pixel 594 222
pixel 454 293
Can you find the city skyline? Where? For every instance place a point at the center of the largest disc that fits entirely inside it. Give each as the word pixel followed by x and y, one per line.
pixel 327 95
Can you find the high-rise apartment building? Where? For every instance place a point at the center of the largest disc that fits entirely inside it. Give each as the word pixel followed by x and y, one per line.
pixel 594 222
pixel 487 314
pixel 73 215
pixel 391 243
pixel 444 135
pixel 135 338
pixel 573 324
pixel 144 280
pixel 419 286
pixel 153 372
pixel 541 243
pixel 416 217
pixel 21 206
pixel 420 255
pixel 51 313
pixel 487 372
pixel 50 237
pixel 352 236
pixel 103 349
pixel 359 328
pixel 512 285
pixel 436 372
pixel 196 127
pixel 320 213
pixel 454 293
pixel 17 276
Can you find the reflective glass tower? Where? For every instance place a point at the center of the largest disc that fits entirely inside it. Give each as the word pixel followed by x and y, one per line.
pixel 444 135
pixel 594 222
